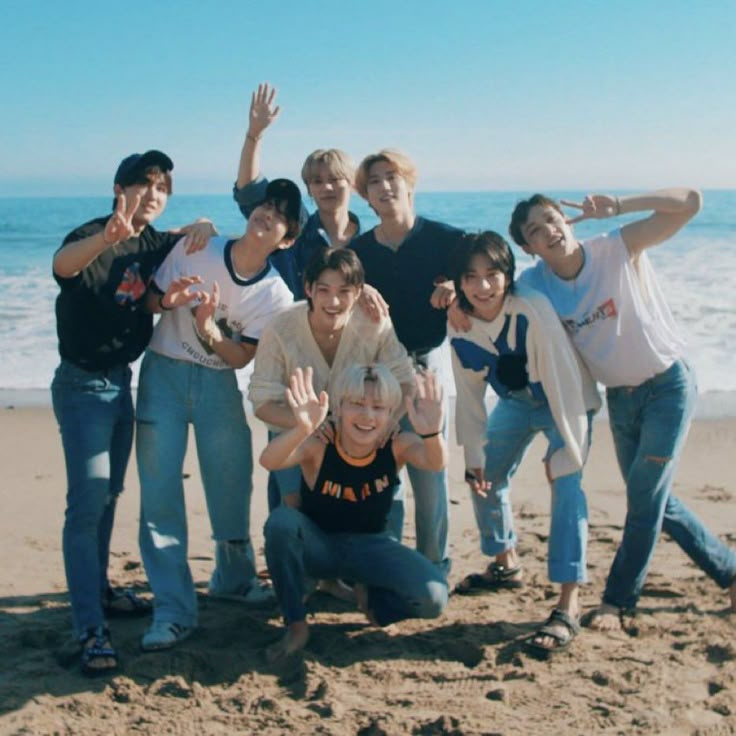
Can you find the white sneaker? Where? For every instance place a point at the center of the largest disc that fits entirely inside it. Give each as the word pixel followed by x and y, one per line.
pixel 259 595
pixel 164 635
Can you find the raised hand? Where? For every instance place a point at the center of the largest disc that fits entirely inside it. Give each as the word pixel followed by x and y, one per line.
pixel 262 110
pixel 204 314
pixel 120 225
pixel 309 409
pixel 178 294
pixel 426 409
pixel 594 207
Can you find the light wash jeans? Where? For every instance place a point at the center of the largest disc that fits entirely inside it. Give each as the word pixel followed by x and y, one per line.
pixel 431 496
pixel 173 394
pixel 649 424
pixel 512 425
pixel 401 583
pixel 95 415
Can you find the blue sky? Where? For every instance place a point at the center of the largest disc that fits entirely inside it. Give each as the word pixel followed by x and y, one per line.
pixel 491 94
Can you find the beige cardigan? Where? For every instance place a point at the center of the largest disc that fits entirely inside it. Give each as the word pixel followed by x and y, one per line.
pixel 287 343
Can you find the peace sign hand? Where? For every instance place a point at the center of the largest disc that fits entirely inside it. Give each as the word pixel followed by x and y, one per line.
pixel 594 207
pixel 262 110
pixel 120 225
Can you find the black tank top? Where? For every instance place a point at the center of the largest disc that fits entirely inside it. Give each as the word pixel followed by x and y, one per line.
pixel 352 495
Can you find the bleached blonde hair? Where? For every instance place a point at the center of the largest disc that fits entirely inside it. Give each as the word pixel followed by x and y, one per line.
pixel 404 165
pixel 351 385
pixel 337 163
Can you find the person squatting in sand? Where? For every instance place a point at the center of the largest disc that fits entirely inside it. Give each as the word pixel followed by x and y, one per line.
pixel 328 332
pixel 103 269
pixel 188 377
pixel 514 344
pixel 406 258
pixel 608 298
pixel 339 529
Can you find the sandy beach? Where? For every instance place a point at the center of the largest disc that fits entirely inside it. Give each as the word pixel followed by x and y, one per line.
pixel 671 671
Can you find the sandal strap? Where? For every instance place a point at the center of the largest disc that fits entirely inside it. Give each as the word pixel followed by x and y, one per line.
pixel 557 617
pixel 98 633
pixel 501 572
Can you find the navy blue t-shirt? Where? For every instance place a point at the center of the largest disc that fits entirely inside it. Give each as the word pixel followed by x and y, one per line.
pixel 407 277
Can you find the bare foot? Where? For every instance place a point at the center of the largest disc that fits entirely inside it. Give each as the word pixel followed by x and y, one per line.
pixel 337 589
pixel 606 618
pixel 296 638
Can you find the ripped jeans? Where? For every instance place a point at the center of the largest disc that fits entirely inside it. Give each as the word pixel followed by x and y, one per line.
pixel 650 424
pixel 173 394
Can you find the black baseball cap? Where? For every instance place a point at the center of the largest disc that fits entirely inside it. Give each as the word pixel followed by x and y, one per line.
pixel 130 169
pixel 284 190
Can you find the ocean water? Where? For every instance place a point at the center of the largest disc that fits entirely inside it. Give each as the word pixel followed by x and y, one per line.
pixel 696 268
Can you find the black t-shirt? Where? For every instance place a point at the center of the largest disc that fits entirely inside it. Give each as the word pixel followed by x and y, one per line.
pixel 407 277
pixel 351 495
pixel 101 321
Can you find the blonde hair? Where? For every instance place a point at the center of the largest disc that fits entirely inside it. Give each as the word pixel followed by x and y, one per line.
pixel 337 162
pixel 351 385
pixel 404 166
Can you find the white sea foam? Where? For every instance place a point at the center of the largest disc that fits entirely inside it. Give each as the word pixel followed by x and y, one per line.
pixel 696 270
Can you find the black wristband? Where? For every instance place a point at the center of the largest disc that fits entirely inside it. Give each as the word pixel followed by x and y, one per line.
pixel 161 303
pixel 431 434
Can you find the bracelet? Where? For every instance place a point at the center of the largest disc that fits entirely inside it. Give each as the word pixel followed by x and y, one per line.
pixel 254 138
pixel 431 434
pixel 161 303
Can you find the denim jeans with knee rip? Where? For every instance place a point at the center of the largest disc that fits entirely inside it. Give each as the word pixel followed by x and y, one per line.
pixel 649 424
pixel 172 395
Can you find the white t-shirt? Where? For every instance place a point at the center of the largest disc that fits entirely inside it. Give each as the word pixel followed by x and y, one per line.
pixel 614 311
pixel 246 305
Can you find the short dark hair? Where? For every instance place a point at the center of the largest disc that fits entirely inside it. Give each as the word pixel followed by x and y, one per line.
pixel 520 214
pixel 343 260
pixel 487 243
pixel 145 176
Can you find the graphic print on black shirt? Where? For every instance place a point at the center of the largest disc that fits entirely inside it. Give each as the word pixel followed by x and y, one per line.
pixel 352 495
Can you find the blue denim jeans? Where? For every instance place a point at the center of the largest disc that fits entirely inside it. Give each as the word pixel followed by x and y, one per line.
pixel 512 425
pixel 284 482
pixel 649 424
pixel 95 415
pixel 173 394
pixel 401 583
pixel 431 497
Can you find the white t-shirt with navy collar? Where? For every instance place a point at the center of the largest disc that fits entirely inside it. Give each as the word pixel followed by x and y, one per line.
pixel 246 304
